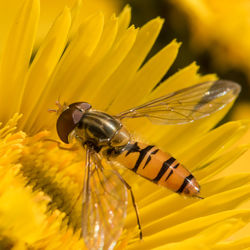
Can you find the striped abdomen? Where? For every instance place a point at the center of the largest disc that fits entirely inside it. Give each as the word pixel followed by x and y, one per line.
pixel 159 167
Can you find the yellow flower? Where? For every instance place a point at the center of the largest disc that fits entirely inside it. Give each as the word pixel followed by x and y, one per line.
pixel 223 27
pixel 100 62
pixel 49 10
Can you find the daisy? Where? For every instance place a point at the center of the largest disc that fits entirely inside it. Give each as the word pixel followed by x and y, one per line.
pixel 100 61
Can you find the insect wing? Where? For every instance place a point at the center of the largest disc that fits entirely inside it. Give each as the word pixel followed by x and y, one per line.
pixel 187 105
pixel 104 206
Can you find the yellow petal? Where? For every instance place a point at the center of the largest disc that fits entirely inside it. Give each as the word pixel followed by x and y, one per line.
pixel 76 18
pixel 173 202
pixel 224 199
pixel 67 71
pixel 224 184
pixel 124 21
pixel 241 244
pixel 16 57
pixel 148 76
pixel 144 42
pixel 79 50
pixel 179 81
pixel 207 238
pixel 107 39
pixel 188 229
pixel 43 65
pixel 209 144
pixel 209 170
pixel 102 74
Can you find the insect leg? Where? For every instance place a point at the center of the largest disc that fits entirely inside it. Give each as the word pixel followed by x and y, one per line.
pixel 86 190
pixel 134 204
pixel 132 197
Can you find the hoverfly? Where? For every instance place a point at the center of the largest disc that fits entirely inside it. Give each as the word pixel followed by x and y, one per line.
pixel 105 137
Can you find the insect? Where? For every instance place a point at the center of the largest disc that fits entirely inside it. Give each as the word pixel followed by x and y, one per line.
pixel 105 137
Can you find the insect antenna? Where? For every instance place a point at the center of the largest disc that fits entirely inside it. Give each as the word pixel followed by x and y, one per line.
pixel 52 110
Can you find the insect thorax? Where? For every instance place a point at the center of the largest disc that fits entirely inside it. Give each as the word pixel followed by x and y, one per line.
pixel 100 129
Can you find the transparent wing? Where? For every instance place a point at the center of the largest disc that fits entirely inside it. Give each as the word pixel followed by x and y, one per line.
pixel 187 105
pixel 104 205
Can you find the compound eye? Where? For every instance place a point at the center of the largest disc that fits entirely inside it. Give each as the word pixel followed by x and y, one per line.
pixel 67 121
pixel 84 106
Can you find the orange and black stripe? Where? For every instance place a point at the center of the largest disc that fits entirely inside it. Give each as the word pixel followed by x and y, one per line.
pixel 157 166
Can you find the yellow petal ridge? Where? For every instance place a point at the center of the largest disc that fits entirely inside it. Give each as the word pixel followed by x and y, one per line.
pixel 76 18
pixel 124 20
